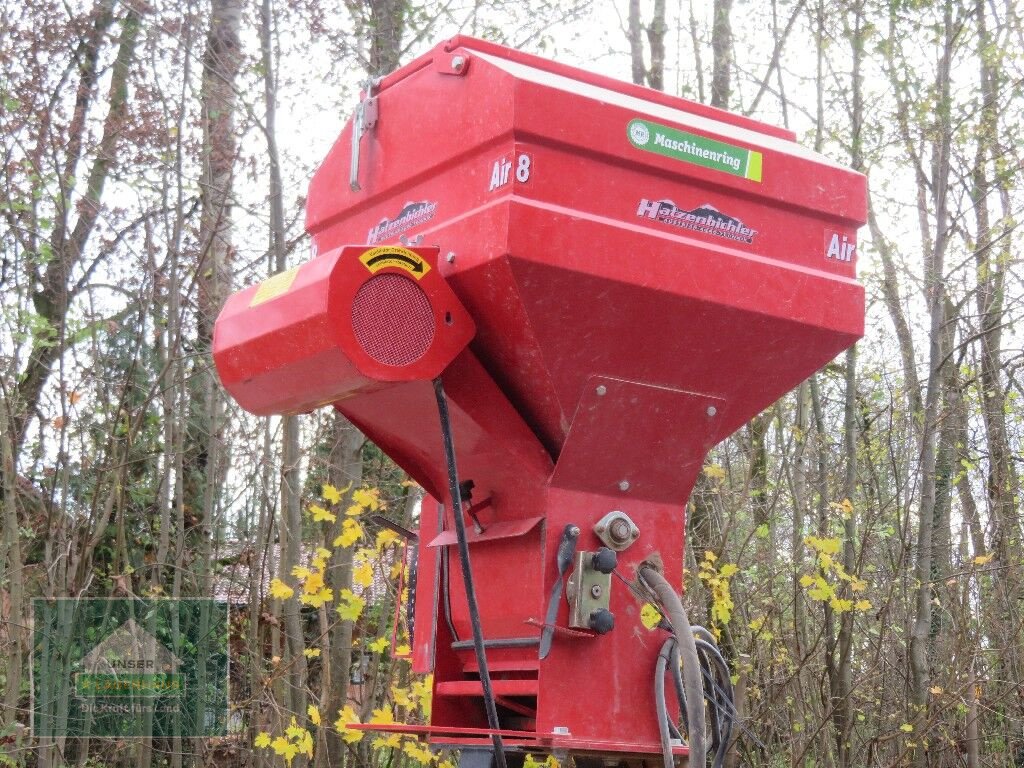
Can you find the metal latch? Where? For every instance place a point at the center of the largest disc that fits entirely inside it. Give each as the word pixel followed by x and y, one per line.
pixel 365 119
pixel 589 591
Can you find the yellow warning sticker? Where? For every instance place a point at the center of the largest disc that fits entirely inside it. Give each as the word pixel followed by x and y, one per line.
pixel 393 256
pixel 274 286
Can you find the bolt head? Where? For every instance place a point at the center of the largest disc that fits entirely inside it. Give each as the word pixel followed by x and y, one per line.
pixel 458 62
pixel 595 591
pixel 624 485
pixel 601 390
pixel 450 258
pixel 712 410
pixel 619 530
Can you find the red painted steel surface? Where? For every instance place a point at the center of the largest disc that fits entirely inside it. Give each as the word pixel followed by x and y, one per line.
pixel 618 279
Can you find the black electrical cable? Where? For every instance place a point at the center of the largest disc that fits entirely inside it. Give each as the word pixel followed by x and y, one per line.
pixel 467 574
pixel 720 695
pixel 717 690
pixel 693 683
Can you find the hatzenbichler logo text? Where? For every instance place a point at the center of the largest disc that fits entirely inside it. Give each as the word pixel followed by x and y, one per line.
pixel 704 218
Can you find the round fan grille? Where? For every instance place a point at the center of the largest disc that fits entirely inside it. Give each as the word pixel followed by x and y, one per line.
pixel 392 319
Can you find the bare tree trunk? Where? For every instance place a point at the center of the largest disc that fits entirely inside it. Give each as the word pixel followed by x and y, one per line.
pixel 920 645
pixel 656 31
pixel 721 49
pixel 206 447
pixel 387 26
pixel 12 566
pixel 654 76
pixel 634 35
pixel 346 470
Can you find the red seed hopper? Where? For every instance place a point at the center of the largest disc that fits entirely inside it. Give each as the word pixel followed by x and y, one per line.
pixel 607 281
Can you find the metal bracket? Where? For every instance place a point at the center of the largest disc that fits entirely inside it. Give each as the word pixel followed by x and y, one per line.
pixel 365 118
pixel 616 530
pixel 588 591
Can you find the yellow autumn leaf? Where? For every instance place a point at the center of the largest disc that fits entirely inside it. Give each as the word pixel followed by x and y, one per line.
pixel 367 497
pixel 305 743
pixel 984 559
pixel 393 741
pixel 403 696
pixel 322 597
pixel 350 605
pixel 841 605
pixel 385 538
pixel 301 573
pixel 311 653
pixel 280 590
pixel 935 690
pixel 379 645
pixel 314 714
pixel 844 507
pixel 382 716
pixel 421 688
pixel 330 494
pixel 650 616
pixel 362 574
pixel 714 471
pixel 262 740
pixel 313 583
pixel 321 515
pixel 285 749
pixel 727 570
pixel 806 580
pixel 418 752
pixel 403 650
pixel 351 532
pixel 907 728
pixel 824 546
pixel 863 605
pixel 710 556
pixel 346 718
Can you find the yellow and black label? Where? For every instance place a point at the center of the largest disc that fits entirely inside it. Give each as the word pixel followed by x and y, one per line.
pixel 393 256
pixel 274 286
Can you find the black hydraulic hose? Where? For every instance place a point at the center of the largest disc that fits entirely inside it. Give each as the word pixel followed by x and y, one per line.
pixel 664 723
pixel 692 682
pixel 721 693
pixel 467 573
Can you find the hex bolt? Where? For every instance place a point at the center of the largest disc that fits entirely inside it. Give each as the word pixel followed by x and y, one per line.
pixel 595 591
pixel 450 258
pixel 601 390
pixel 619 531
pixel 634 533
pixel 624 485
pixel 574 531
pixel 458 62
pixel 712 410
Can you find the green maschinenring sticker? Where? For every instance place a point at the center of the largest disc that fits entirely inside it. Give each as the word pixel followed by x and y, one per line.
pixel 124 668
pixel 690 148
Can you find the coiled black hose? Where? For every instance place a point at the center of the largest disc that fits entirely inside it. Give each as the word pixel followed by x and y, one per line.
pixel 693 686
pixel 713 685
